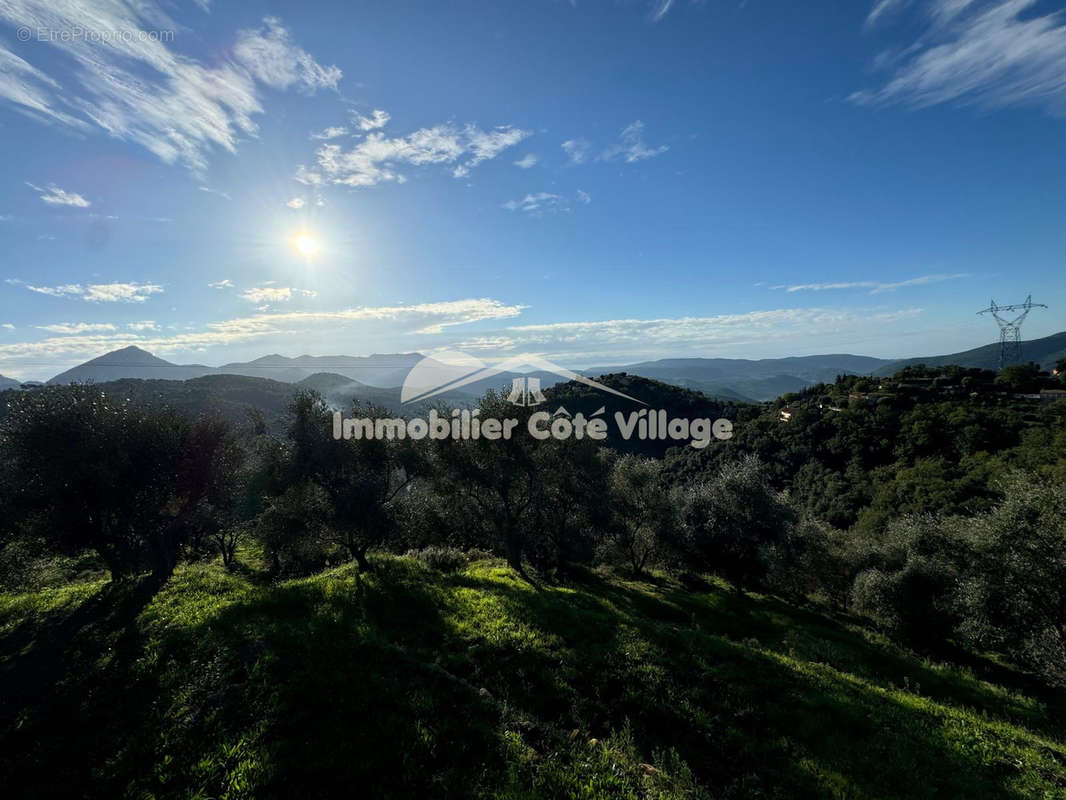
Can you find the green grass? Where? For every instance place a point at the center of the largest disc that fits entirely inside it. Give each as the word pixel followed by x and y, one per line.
pixel 411 683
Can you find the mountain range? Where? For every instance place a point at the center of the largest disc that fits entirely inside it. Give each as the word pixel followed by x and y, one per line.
pixel 1046 352
pixel 376 378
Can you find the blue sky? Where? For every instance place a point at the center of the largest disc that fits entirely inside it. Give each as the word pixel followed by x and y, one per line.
pixel 598 182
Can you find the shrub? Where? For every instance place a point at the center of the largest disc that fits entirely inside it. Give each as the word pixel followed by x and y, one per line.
pixel 88 470
pixel 814 559
pixel 441 558
pixel 643 516
pixel 292 530
pixel 910 585
pixel 1013 597
pixel 732 522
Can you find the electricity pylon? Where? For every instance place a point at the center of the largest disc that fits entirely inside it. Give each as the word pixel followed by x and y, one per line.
pixel 1010 328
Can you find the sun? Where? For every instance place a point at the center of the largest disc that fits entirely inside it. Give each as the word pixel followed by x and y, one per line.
pixel 306 244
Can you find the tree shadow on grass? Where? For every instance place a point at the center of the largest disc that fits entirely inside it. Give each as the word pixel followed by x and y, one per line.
pixel 38 652
pixel 748 714
pixel 326 687
pixel 848 644
pixel 52 725
pixel 403 683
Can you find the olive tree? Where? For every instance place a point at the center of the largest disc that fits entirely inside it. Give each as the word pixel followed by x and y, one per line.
pixel 90 470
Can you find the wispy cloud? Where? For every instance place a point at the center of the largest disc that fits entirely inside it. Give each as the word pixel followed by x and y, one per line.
pixel 137 88
pixel 987 53
pixel 225 283
pixel 428 319
pixel 54 196
pixel 296 202
pixel 209 190
pixel 884 8
pixel 331 132
pixel 486 145
pixel 577 150
pixel 660 8
pixel 526 161
pixel 631 146
pixel 96 292
pixel 77 327
pixel 143 325
pixel 538 203
pixel 494 343
pixel 874 287
pixel 378 158
pixel 273 294
pixel 377 119
pixel 703 334
pixel 270 56
pixel 32 91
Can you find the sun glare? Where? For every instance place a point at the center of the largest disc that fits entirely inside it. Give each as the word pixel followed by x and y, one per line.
pixel 305 244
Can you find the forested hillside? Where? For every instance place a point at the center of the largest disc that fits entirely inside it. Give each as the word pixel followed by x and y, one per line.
pixel 857 594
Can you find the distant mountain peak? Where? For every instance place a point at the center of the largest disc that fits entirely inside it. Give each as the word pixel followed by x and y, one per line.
pixel 129 354
pixel 129 362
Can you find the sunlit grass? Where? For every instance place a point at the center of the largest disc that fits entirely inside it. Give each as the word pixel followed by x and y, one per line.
pixel 409 681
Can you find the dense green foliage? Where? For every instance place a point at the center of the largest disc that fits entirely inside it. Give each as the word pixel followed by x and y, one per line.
pixel 133 483
pixel 863 451
pixel 931 504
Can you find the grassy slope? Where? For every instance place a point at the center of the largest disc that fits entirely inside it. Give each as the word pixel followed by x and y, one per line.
pixel 412 683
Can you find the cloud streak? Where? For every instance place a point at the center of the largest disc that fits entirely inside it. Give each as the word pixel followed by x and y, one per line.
pixel 136 88
pixel 274 294
pixel 660 8
pixel 984 53
pixel 77 327
pixel 54 196
pixel 427 319
pixel 874 287
pixel 96 292
pixel 538 203
pixel 631 338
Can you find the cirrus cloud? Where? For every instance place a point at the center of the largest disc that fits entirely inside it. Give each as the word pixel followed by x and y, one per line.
pixel 874 287
pixel 985 53
pixel 77 327
pixel 96 292
pixel 54 196
pixel 139 89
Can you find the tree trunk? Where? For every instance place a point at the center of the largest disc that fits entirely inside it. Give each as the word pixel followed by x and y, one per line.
pixel 513 548
pixel 164 555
